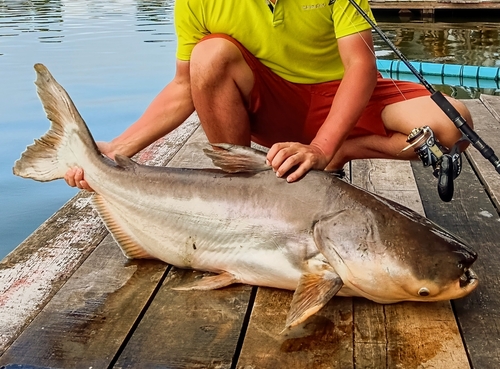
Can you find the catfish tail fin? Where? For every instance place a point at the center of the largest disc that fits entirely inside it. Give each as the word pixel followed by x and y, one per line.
pixel 68 138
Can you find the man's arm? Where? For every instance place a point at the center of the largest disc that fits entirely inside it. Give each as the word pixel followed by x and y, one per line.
pixel 354 92
pixel 167 111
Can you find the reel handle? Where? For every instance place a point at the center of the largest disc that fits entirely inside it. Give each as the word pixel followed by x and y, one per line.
pixel 446 176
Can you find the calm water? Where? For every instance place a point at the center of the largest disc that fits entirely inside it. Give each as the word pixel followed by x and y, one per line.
pixel 113 57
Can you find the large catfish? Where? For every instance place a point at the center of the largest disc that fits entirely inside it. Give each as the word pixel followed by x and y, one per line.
pixel 319 236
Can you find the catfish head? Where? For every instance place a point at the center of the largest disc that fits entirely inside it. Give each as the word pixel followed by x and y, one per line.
pixel 391 253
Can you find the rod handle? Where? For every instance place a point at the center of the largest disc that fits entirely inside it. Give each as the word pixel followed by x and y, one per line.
pixel 466 130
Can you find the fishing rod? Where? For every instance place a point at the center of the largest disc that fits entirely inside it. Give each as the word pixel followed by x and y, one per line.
pixel 447 166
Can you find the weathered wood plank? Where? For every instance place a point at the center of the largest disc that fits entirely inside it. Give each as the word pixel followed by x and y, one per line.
pixel 188 329
pixel 423 335
pixel 389 178
pixel 487 127
pixel 471 215
pixel 404 335
pixel 323 341
pixel 492 103
pixel 35 271
pixel 85 323
pixel 195 329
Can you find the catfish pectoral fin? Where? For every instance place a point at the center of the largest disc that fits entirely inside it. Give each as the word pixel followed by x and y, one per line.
pixel 210 283
pixel 313 292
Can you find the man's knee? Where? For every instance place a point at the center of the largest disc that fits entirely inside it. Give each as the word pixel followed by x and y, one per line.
pixel 215 57
pixel 218 60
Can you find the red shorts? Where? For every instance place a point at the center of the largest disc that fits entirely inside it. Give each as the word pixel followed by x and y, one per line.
pixel 282 111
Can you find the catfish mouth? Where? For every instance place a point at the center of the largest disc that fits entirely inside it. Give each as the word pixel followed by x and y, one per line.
pixel 468 280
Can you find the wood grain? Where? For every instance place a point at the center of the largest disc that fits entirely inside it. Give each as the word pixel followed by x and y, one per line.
pixel 85 323
pixel 487 127
pixel 472 216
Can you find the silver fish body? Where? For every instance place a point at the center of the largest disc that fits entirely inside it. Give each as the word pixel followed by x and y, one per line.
pixel 319 236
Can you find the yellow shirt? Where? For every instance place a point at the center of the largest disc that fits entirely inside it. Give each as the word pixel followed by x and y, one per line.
pixel 298 41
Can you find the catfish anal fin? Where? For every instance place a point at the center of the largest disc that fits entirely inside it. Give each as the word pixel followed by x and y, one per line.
pixel 131 249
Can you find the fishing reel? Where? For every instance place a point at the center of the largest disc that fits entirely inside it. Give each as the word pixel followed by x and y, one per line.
pixel 446 164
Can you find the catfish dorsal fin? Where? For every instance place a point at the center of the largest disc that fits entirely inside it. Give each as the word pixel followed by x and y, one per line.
pixel 236 159
pixel 124 161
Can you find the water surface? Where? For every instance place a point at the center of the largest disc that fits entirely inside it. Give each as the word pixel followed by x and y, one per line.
pixel 112 57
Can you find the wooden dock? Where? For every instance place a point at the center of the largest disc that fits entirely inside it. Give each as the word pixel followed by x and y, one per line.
pixel 70 299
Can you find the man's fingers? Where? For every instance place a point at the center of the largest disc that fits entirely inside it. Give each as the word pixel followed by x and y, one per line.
pixel 276 155
pixel 298 173
pixel 279 154
pixel 74 178
pixel 85 186
pixel 69 177
pixel 285 161
pixel 294 159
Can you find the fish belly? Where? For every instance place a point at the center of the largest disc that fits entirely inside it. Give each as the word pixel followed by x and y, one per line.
pixel 205 236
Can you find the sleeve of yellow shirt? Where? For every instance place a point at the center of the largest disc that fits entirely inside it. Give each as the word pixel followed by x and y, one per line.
pixel 347 20
pixel 189 26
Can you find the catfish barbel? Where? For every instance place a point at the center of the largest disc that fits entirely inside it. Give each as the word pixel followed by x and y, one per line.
pixel 319 236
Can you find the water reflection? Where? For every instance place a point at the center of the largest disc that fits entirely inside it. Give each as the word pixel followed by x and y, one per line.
pixel 467 43
pixel 31 16
pixel 154 12
pixel 442 43
pixel 53 19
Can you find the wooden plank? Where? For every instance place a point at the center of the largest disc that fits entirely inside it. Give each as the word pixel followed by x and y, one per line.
pixel 487 127
pixel 389 178
pixel 35 271
pixel 471 216
pixel 85 323
pixel 195 329
pixel 188 329
pixel 323 341
pixel 403 335
pixel 492 103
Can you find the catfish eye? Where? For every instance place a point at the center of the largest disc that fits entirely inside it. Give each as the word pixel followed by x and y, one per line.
pixel 424 291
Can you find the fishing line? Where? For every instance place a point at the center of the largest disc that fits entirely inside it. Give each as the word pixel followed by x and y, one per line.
pixel 375 56
pixel 441 101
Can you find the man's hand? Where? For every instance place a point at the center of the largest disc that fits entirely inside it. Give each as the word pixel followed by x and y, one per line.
pixel 74 176
pixel 297 158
